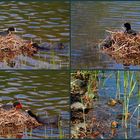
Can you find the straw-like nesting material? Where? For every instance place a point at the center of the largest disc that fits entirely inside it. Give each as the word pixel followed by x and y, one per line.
pixel 15 120
pixel 12 45
pixel 125 48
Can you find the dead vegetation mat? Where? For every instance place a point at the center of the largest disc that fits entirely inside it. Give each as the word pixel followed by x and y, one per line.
pixel 125 48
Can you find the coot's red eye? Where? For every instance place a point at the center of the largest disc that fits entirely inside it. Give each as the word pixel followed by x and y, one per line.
pixel 19 106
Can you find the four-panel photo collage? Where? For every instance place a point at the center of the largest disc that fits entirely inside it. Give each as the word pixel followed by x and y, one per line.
pixel 69 69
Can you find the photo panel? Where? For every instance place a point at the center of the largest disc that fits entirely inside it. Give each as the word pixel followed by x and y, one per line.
pixel 105 104
pixel 34 34
pixel 62 69
pixel 34 104
pixel 105 35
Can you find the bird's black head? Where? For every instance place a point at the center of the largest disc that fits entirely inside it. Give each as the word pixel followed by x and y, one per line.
pixel 31 114
pixel 127 26
pixel 11 29
pixel 35 45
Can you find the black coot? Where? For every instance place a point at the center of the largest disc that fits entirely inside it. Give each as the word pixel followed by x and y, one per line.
pixel 5 33
pixel 46 121
pixel 128 29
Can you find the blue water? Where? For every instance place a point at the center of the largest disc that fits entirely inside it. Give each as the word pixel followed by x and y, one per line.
pixel 107 90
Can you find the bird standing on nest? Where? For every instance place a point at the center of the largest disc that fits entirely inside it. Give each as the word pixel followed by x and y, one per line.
pixel 128 29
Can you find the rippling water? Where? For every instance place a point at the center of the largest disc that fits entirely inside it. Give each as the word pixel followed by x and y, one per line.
pixel 89 22
pixel 45 92
pixel 41 22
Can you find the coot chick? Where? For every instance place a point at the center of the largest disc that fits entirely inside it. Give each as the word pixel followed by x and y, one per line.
pixel 5 33
pixel 108 42
pixel 128 29
pixel 46 121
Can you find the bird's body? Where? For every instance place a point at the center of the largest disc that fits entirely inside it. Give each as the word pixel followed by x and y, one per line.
pixel 128 29
pixel 48 46
pixel 131 32
pixel 4 33
pixel 46 121
pixel 8 31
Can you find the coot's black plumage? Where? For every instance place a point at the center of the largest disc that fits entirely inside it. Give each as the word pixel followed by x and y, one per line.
pixel 108 42
pixel 128 29
pixel 45 121
pixel 48 46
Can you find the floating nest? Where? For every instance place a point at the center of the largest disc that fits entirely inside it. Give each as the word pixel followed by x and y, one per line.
pixel 12 45
pixel 13 121
pixel 122 47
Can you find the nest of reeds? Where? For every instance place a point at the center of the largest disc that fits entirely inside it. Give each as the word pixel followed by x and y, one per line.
pixel 125 48
pixel 15 120
pixel 12 45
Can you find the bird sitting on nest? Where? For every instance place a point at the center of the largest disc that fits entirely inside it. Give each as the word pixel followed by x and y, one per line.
pixel 8 31
pixel 15 44
pixel 12 116
pixel 17 105
pixel 109 41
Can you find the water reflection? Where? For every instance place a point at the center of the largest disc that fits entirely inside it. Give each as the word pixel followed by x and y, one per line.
pixel 89 22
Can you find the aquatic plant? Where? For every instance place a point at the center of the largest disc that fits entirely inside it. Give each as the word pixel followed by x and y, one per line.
pixel 61 136
pixel 129 87
pixel 118 84
pixel 53 62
